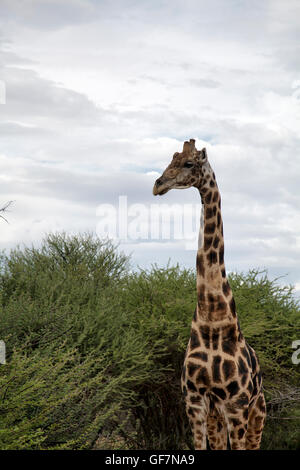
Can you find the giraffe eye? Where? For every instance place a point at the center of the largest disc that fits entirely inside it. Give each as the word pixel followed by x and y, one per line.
pixel 188 164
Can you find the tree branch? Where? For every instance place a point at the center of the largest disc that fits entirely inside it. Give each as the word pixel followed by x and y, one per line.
pixel 4 209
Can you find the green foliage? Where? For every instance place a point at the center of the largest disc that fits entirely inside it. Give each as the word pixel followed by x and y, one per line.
pixel 94 351
pixel 269 318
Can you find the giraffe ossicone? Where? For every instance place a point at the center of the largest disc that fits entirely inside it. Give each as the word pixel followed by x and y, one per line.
pixel 221 379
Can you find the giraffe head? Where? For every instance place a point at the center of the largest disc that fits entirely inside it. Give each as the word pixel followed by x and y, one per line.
pixel 184 171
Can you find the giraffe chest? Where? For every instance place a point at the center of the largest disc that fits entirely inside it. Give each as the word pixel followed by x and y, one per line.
pixel 219 363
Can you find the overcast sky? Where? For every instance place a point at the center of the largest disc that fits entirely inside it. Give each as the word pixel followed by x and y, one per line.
pixel 100 94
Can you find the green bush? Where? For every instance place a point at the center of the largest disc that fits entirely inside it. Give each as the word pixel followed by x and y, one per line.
pixel 95 350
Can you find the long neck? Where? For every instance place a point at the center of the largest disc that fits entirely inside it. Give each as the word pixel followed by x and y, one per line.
pixel 214 295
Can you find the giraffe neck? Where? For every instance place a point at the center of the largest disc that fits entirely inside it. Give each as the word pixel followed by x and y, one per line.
pixel 215 302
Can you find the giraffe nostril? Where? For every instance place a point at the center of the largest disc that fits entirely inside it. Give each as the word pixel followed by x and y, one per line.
pixel 158 182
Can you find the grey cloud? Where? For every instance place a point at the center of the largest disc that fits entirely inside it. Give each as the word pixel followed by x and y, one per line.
pixel 204 83
pixel 10 58
pixel 10 129
pixel 29 95
pixel 47 14
pixel 65 154
pixel 57 183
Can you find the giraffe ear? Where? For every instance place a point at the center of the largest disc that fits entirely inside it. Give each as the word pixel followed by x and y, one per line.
pixel 203 155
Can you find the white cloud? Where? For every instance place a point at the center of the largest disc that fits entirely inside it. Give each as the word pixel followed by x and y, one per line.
pixel 100 96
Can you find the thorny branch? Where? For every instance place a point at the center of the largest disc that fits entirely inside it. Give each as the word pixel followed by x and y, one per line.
pixel 4 209
pixel 280 400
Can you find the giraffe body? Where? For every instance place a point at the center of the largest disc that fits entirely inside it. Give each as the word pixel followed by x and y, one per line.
pixel 221 380
pixel 221 383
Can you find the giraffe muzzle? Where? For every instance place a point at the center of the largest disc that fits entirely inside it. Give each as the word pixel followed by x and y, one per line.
pixel 159 187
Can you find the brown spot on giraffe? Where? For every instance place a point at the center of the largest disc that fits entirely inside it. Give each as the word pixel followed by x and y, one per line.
pixel 200 265
pixel 207 243
pixel 192 367
pixel 200 355
pixel 194 340
pixel 204 331
pixel 215 197
pixel 229 368
pixel 209 213
pixel 221 372
pixel 201 296
pixel 210 228
pixel 208 197
pixel 216 242
pixel 226 288
pixel 212 257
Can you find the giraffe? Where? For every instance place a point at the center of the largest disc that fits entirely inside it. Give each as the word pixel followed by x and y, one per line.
pixel 221 379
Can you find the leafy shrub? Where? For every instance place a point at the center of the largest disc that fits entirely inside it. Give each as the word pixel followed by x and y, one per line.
pixel 94 350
